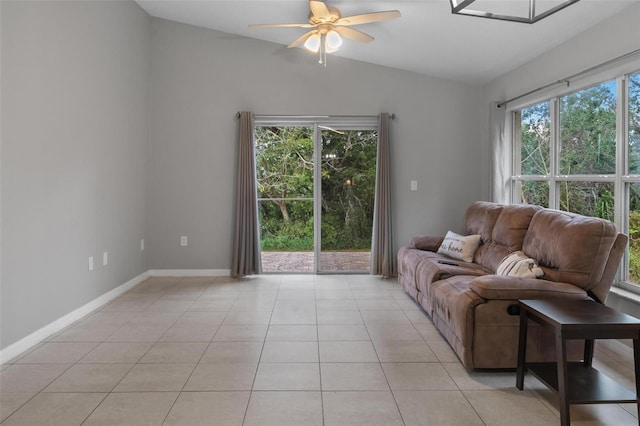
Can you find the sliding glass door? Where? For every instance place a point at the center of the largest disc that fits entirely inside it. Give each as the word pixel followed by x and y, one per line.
pixel 316 185
pixel 285 182
pixel 347 178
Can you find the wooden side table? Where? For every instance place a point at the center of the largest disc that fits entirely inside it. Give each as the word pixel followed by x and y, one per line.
pixel 578 382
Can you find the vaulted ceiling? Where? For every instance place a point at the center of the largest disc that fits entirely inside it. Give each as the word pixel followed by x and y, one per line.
pixel 427 39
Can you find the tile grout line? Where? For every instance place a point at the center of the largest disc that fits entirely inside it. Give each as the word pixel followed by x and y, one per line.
pixel 255 374
pixel 315 304
pixel 199 359
pixel 95 408
pixel 366 326
pixel 136 363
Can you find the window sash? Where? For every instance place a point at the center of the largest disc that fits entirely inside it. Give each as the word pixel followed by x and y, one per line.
pixel 621 179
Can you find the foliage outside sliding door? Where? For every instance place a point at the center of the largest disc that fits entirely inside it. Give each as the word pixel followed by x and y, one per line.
pixel 348 188
pixel 580 152
pixel 316 187
pixel 284 172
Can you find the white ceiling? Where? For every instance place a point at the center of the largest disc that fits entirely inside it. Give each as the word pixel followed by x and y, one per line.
pixel 427 39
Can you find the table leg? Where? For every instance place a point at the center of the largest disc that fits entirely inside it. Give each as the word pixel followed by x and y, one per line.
pixel 636 362
pixel 563 390
pixel 588 352
pixel 522 349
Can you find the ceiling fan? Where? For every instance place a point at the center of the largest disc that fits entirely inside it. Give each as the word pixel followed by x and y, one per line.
pixel 329 27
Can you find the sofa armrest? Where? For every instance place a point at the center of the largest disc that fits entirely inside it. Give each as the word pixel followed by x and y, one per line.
pixel 426 242
pixel 492 287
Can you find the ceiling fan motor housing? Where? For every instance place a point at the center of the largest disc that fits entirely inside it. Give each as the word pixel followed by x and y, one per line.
pixel 333 16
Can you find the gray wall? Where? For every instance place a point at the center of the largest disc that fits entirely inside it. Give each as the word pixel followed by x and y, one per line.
pixel 611 38
pixel 201 78
pixel 74 155
pixel 117 127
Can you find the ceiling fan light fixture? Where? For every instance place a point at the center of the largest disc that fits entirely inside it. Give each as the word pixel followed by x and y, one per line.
pixel 313 43
pixel 327 49
pixel 528 15
pixel 333 41
pixel 328 27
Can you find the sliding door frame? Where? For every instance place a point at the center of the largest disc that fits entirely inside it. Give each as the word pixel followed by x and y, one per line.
pixel 319 123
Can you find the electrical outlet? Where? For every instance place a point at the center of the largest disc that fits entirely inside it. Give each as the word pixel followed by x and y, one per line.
pixel 183 241
pixel 142 244
pixel 414 185
pixel 105 258
pixel 91 263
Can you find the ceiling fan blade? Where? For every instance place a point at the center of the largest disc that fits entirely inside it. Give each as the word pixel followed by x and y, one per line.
pixel 354 34
pixel 281 26
pixel 319 9
pixel 297 42
pixel 368 18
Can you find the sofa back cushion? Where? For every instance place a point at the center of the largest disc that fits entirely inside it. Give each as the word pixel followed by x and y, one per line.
pixel 506 233
pixel 570 247
pixel 480 218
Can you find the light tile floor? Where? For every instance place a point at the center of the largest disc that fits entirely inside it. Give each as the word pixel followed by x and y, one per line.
pixel 274 350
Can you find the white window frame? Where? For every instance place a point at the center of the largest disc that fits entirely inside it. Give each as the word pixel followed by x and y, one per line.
pixel 621 181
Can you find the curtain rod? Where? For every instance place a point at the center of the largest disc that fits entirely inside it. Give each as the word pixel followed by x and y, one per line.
pixel 567 80
pixel 314 117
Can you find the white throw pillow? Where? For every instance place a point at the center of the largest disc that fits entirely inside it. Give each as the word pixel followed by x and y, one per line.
pixel 459 247
pixel 517 264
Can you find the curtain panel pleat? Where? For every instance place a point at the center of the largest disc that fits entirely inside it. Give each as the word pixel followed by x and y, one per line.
pixel 383 259
pixel 246 244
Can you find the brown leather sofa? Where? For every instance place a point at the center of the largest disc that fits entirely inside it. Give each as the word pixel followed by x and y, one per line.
pixel 469 304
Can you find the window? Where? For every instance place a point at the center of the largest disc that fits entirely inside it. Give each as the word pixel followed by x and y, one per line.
pixel 533 165
pixel 587 154
pixel 634 123
pixel 580 152
pixel 632 181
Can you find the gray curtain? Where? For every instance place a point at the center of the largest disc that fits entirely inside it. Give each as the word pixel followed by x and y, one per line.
pixel 246 244
pixel 383 259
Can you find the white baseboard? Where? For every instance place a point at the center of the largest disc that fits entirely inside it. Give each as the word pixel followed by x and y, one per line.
pixel 190 272
pixel 36 337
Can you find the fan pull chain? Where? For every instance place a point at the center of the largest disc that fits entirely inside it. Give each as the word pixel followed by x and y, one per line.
pixel 323 50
